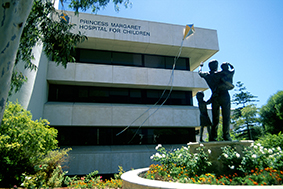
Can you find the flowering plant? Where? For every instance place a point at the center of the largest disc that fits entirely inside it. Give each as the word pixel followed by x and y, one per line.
pixel 255 156
pixel 255 165
pixel 180 163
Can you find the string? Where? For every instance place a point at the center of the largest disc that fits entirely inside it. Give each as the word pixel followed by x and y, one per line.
pixel 171 88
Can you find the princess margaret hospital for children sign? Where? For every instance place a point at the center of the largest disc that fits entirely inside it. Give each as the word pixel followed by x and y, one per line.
pixel 113 27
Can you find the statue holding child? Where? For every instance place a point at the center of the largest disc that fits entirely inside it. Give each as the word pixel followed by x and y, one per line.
pixel 220 82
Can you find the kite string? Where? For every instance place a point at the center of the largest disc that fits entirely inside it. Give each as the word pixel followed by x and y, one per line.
pixel 172 73
pixel 171 80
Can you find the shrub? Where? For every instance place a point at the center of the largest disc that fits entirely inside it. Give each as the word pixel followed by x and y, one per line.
pixel 180 162
pixel 23 143
pixel 256 165
pixel 271 141
pixel 93 181
pixel 49 172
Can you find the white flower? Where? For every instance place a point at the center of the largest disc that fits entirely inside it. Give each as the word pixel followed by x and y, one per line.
pixel 185 148
pixel 163 155
pixel 179 155
pixel 270 151
pixel 238 155
pixel 151 157
pixel 196 157
pixel 209 151
pixel 158 146
pixel 201 145
pixel 253 156
pixel 157 155
pixel 225 155
pixel 231 167
pixel 255 147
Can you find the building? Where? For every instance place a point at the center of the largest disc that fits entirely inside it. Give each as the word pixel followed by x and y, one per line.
pixel 121 71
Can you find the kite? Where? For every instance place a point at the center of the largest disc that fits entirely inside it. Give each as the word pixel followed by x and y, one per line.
pixel 189 31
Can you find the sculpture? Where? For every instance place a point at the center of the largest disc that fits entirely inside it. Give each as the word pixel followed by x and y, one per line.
pixel 219 82
pixel 204 118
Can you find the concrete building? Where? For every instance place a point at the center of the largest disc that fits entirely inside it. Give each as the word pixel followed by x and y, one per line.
pixel 120 72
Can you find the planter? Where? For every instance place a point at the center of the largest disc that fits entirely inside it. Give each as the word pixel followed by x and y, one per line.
pixel 131 180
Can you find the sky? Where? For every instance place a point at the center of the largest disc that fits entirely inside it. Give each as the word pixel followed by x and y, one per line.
pixel 250 35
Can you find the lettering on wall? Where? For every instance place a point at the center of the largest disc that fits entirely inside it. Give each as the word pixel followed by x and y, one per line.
pixel 112 27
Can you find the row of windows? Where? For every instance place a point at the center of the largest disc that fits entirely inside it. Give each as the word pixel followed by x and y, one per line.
pixel 69 93
pixel 130 59
pixel 107 136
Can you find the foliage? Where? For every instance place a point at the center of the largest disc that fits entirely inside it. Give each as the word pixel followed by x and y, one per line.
pixel 181 161
pixel 93 181
pixel 95 4
pixel 272 113
pixel 247 125
pixel 243 97
pixel 49 172
pixel 44 26
pixel 271 141
pixel 256 165
pixel 22 143
pixel 245 116
pixel 255 156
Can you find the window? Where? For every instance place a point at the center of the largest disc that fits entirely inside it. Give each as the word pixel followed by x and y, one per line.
pixel 127 59
pixel 69 93
pixel 130 59
pixel 80 135
pixel 90 56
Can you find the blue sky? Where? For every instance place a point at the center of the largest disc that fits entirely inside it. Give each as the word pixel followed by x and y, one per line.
pixel 250 35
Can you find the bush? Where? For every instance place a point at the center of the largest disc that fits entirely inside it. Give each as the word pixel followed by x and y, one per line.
pixel 256 165
pixel 271 114
pixel 271 141
pixel 49 172
pixel 180 163
pixel 23 144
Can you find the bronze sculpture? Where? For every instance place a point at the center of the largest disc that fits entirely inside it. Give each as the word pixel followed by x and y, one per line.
pixel 219 82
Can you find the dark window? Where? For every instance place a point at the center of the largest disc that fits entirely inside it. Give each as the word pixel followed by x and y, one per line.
pixel 91 56
pixel 127 59
pixel 70 93
pixel 107 135
pixel 130 59
pixel 152 61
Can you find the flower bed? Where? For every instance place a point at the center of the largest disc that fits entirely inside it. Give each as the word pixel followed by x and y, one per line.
pixel 131 179
pixel 252 165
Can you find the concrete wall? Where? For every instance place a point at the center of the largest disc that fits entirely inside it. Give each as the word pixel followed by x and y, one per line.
pixel 123 76
pixel 98 114
pixel 106 159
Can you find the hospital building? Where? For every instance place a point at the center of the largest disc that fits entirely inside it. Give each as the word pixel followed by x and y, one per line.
pixel 117 85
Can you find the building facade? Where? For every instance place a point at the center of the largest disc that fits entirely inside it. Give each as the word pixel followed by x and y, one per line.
pixel 120 78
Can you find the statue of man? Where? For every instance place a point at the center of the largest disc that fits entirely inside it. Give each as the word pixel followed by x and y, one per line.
pixel 219 82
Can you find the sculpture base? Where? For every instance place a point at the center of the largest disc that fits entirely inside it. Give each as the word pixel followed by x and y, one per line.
pixel 216 151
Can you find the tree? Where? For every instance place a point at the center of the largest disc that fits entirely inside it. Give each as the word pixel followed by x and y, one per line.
pixel 247 125
pixel 272 114
pixel 24 24
pixel 245 116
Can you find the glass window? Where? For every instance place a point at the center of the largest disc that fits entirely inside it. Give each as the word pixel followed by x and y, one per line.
pixel 80 135
pixel 91 56
pixel 152 61
pixel 181 64
pixel 127 59
pixel 68 93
